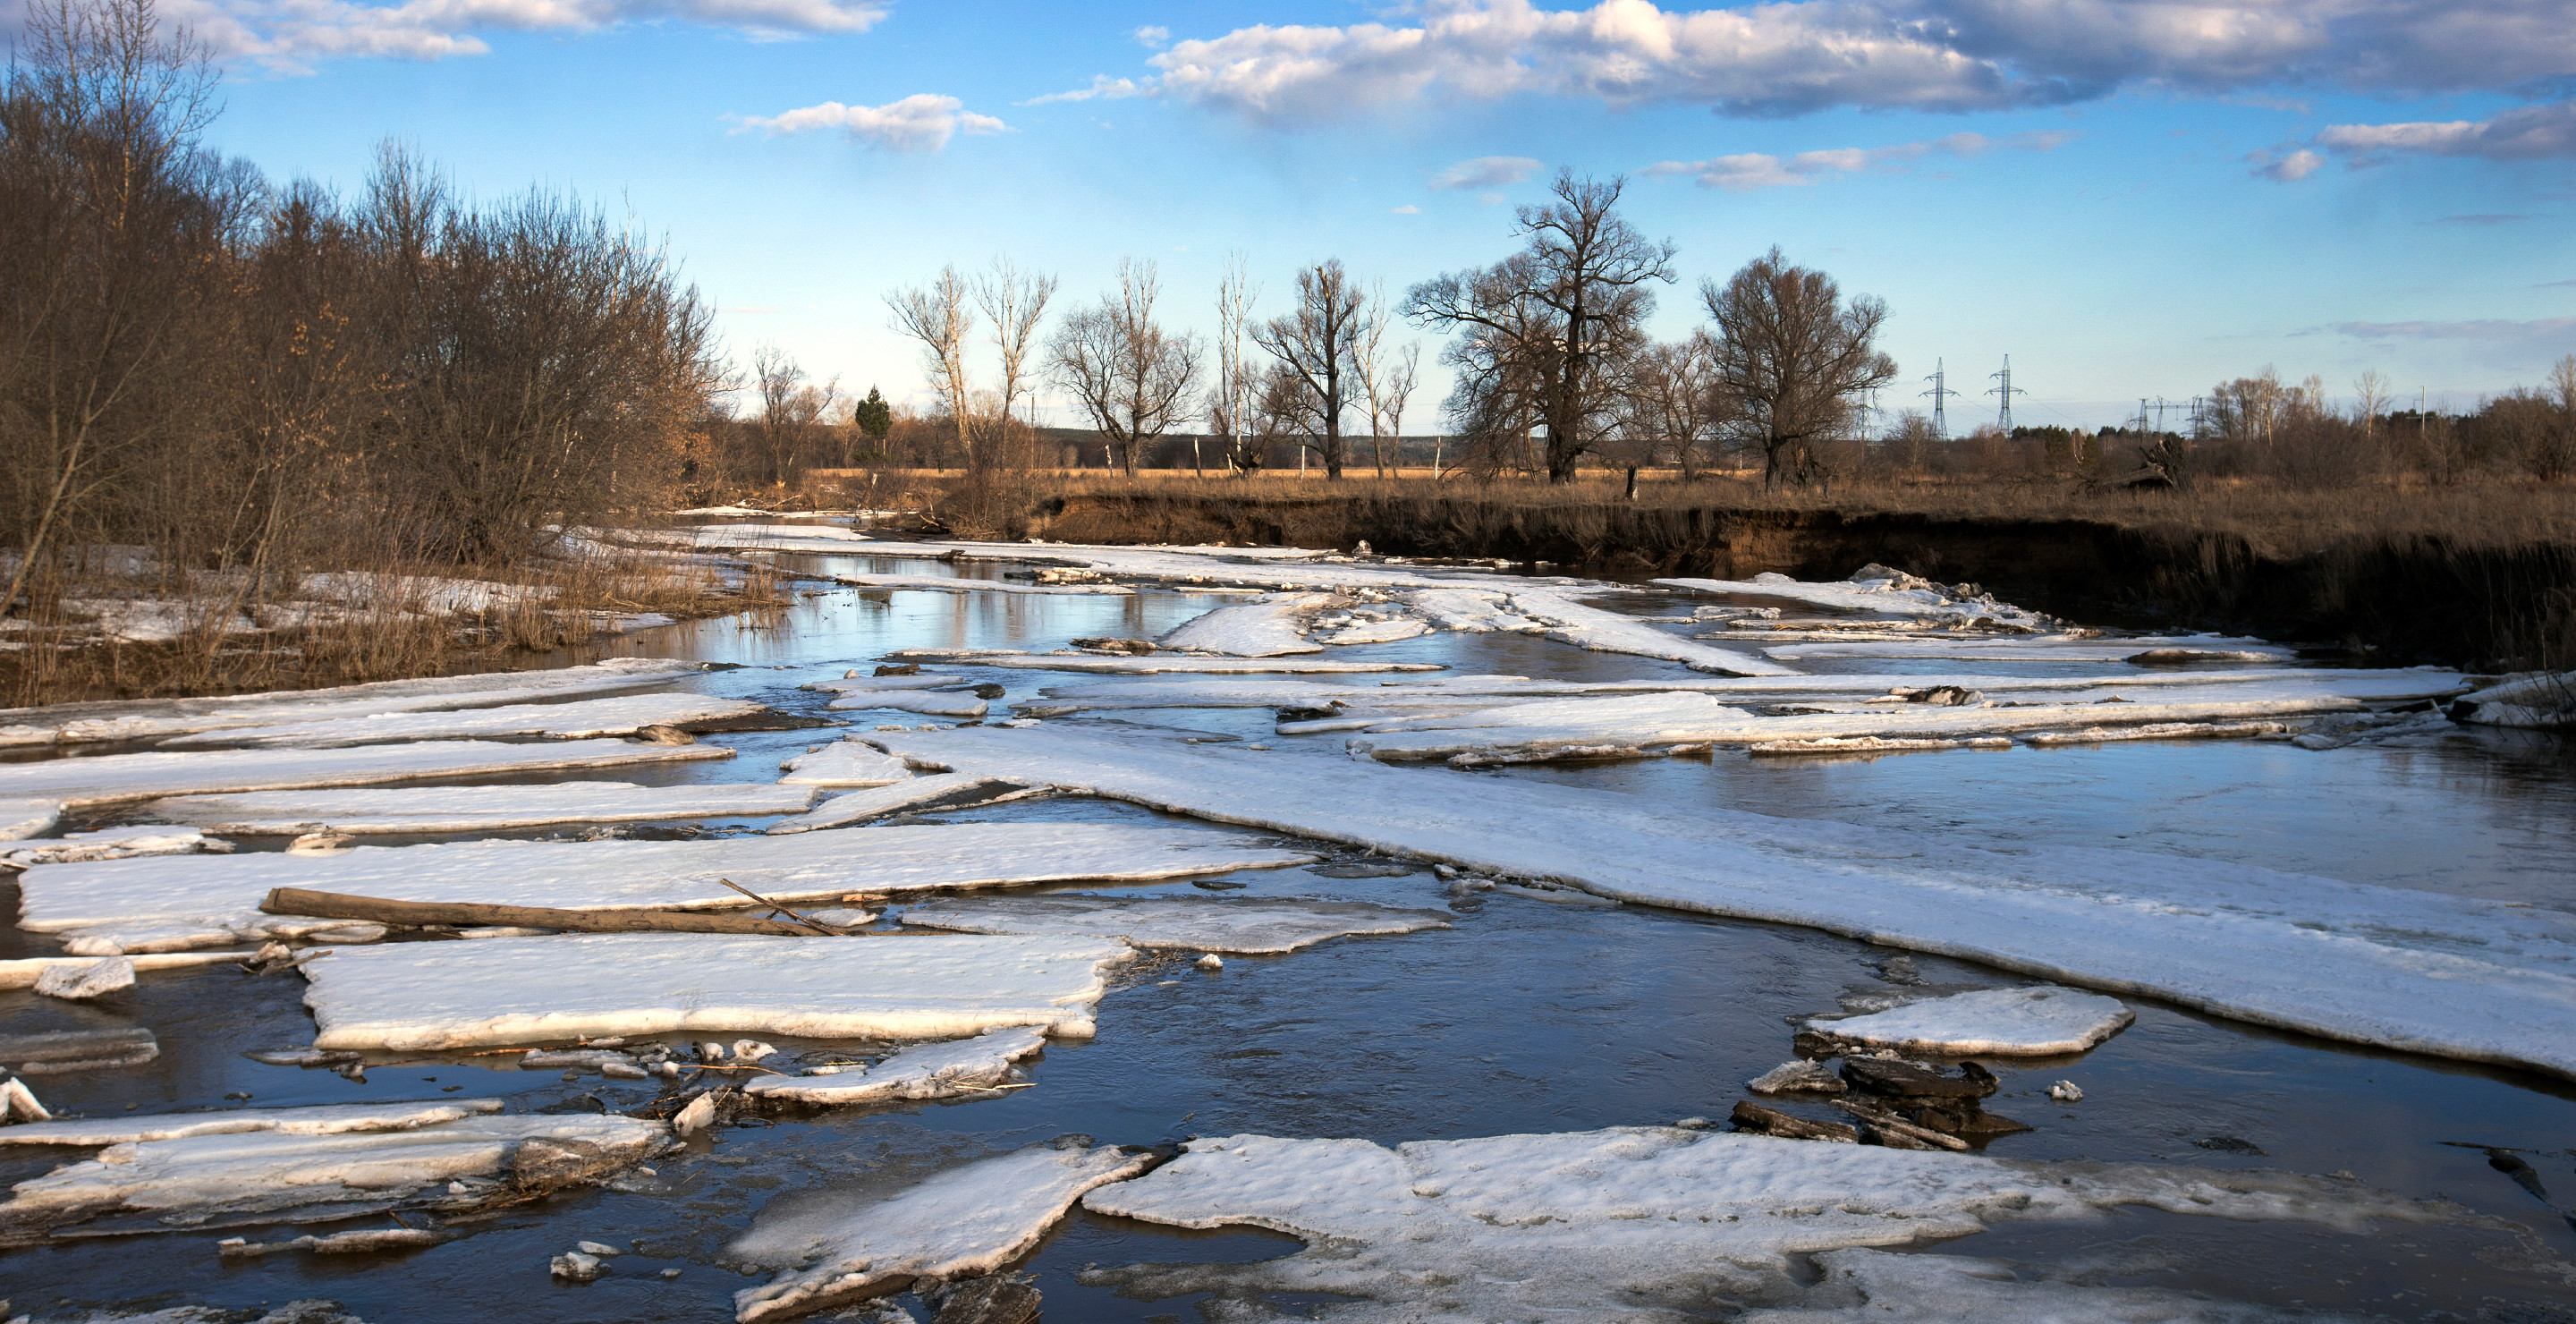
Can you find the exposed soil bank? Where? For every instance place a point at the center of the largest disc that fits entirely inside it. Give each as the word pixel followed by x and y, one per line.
pixel 2406 597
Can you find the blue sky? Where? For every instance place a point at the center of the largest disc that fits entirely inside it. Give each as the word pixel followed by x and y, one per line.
pixel 2130 199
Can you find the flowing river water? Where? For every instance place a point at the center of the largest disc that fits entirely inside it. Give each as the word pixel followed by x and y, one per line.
pixel 1523 1016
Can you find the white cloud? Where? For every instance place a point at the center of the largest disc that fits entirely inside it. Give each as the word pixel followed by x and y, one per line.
pixel 921 122
pixel 1409 209
pixel 2285 167
pixel 1791 56
pixel 2525 133
pixel 1103 88
pixel 1748 171
pixel 1485 172
pixel 1154 35
pixel 291 35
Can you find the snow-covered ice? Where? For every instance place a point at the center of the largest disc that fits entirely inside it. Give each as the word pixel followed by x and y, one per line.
pixel 1202 924
pixel 2097 735
pixel 1255 629
pixel 843 763
pixel 1571 622
pixel 928 703
pixel 576 720
pixel 480 808
pixel 2164 649
pixel 1883 591
pixel 84 782
pixel 1471 611
pixel 25 971
pixel 417 996
pixel 23 818
pixel 958 584
pixel 878 801
pixel 967 1220
pixel 1159 664
pixel 823 539
pixel 1642 1223
pixel 314 1120
pixel 2040 1021
pixel 924 1071
pixel 1387 631
pixel 2536 699
pixel 198 901
pixel 116 843
pixel 2417 971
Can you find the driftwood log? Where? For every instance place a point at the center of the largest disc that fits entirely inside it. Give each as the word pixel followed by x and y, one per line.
pixel 337 905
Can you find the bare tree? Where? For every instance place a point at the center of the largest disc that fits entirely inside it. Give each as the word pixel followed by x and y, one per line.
pixel 1673 404
pixel 1554 325
pixel 1014 302
pixel 1235 386
pixel 1390 389
pixel 1132 376
pixel 1319 343
pixel 1795 360
pixel 936 316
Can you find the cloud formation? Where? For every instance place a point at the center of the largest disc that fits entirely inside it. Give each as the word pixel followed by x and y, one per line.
pixel 2525 133
pixel 1748 171
pixel 2547 328
pixel 290 36
pixel 1485 172
pixel 1103 88
pixel 921 122
pixel 1787 57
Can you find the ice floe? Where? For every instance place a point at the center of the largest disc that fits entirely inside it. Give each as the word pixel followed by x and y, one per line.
pixel 2538 699
pixel 145 719
pixel 960 584
pixel 2006 1022
pixel 967 1220
pixel 929 703
pixel 481 808
pixel 57 1052
pixel 1255 629
pixel 578 719
pixel 1571 622
pixel 1203 924
pixel 945 791
pixel 2145 651
pixel 207 1180
pixel 2411 970
pixel 1391 630
pixel 2095 735
pixel 109 778
pixel 823 539
pixel 1881 590
pixel 24 972
pixel 116 843
pixel 416 996
pixel 1471 611
pixel 315 1120
pixel 843 763
pixel 198 901
pixel 1643 1223
pixel 23 818
pixel 925 1071
pixel 1158 664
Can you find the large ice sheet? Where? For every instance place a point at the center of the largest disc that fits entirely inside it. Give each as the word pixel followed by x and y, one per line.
pixel 1200 924
pixel 967 1220
pixel 479 808
pixel 422 996
pixel 2150 649
pixel 2010 1022
pixel 1571 622
pixel 198 1180
pixel 173 902
pixel 26 817
pixel 2450 976
pixel 929 703
pixel 1892 595
pixel 956 584
pixel 109 778
pixel 1255 629
pixel 142 719
pixel 1471 611
pixel 580 719
pixel 316 1120
pixel 843 763
pixel 923 1071
pixel 1159 663
pixel 879 801
pixel 1635 1223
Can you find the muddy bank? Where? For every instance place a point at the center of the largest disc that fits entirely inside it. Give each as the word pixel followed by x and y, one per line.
pixel 2403 598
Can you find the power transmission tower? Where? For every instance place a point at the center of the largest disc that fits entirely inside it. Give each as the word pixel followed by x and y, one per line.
pixel 1940 380
pixel 2003 419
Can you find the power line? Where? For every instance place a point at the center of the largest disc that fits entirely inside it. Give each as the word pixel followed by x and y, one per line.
pixel 2003 418
pixel 1940 380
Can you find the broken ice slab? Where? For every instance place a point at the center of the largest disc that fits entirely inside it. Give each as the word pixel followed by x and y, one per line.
pixel 2535 699
pixel 315 1120
pixel 208 1180
pixel 86 782
pixel 150 904
pixel 419 996
pixel 365 1241
pixel 1830 745
pixel 1584 1225
pixel 967 1220
pixel 1159 664
pixel 2391 967
pixel 1471 611
pixel 1571 622
pixel 946 790
pixel 956 584
pixel 76 1050
pixel 1799 1077
pixel 843 763
pixel 1255 629
pixel 2038 1021
pixel 23 817
pixel 2143 651
pixel 823 539
pixel 25 971
pixel 976 1066
pixel 144 719
pixel 1248 926
pixel 1376 632
pixel 2098 735
pixel 580 719
pixel 924 681
pixel 1890 593
pixel 928 703
pixel 430 809
pixel 116 843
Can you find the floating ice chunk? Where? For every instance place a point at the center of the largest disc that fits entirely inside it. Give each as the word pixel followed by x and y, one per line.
pixel 194 1181
pixel 1247 926
pixel 79 981
pixel 1871 745
pixel 1255 629
pixel 117 843
pixel 2398 968
pixel 960 584
pixel 2066 1091
pixel 925 1071
pixel 318 1120
pixel 2536 699
pixel 855 681
pixel 1164 663
pixel 23 818
pixel 2096 735
pixel 143 719
pixel 2041 1021
pixel 24 972
pixel 1892 594
pixel 18 1103
pixel 84 782
pixel 945 791
pixel 1471 611
pixel 967 1220
pixel 417 996
pixel 1878 1287
pixel 927 703
pixel 843 763
pixel 1571 622
pixel 480 808
pixel 1377 632
pixel 1608 1224
pixel 2060 648
pixel 63 1051
pixel 146 904
pixel 580 719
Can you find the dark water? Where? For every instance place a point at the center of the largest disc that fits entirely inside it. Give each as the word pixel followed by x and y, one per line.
pixel 1523 1016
